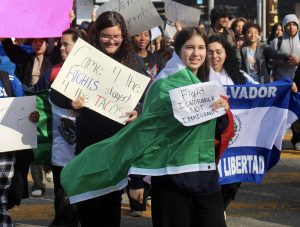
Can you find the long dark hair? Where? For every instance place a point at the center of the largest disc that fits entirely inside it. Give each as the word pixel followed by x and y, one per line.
pixel 180 39
pixel 273 32
pixel 231 64
pixel 111 19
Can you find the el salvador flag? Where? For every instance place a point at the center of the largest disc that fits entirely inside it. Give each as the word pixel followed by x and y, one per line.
pixel 262 114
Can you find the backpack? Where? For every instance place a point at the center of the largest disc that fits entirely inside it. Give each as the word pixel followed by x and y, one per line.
pixel 4 77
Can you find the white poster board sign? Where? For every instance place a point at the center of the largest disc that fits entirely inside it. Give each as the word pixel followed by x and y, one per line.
pixel 84 9
pixel 16 130
pixel 185 15
pixel 192 104
pixel 109 87
pixel 139 15
pixel 170 30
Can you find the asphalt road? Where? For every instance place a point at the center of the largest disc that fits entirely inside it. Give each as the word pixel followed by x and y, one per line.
pixel 273 203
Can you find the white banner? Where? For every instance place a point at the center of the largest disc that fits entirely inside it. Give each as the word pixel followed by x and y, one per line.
pixel 139 15
pixel 16 130
pixel 192 104
pixel 109 87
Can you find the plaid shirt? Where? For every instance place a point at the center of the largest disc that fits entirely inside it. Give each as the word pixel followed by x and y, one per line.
pixel 7 160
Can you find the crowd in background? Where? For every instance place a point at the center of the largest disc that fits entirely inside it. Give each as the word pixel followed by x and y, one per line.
pixel 236 55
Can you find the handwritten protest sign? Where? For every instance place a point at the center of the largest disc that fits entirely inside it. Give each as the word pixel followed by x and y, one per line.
pixel 192 104
pixel 16 131
pixel 176 12
pixel 84 9
pixel 139 15
pixel 34 18
pixel 109 87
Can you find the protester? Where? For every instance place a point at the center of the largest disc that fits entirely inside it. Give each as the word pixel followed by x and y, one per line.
pixel 63 129
pixel 113 40
pixel 237 27
pixel 10 86
pixel 153 61
pixel 29 68
pixel 224 69
pixel 255 55
pixel 288 44
pixel 276 31
pixel 219 17
pixel 189 198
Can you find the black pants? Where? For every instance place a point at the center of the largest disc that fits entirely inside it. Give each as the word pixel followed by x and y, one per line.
pixel 64 212
pixel 228 193
pixel 135 205
pixel 103 211
pixel 296 132
pixel 171 208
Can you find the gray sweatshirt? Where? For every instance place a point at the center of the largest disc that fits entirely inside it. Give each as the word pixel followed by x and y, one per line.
pixel 289 45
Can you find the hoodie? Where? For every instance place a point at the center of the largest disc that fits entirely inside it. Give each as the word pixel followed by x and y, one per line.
pixel 289 45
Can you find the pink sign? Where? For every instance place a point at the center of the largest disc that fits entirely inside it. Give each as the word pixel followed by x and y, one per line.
pixel 34 18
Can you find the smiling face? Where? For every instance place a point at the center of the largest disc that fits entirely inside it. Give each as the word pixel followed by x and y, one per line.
pixel 141 40
pixel 216 55
pixel 193 53
pixel 110 39
pixel 291 29
pixel 252 35
pixel 223 22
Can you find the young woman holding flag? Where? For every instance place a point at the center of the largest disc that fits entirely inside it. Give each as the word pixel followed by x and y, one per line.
pixel 189 197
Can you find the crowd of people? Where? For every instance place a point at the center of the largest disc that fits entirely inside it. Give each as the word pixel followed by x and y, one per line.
pixel 230 53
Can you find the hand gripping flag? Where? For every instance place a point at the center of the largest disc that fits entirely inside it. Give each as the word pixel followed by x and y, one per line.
pixel 262 114
pixel 154 144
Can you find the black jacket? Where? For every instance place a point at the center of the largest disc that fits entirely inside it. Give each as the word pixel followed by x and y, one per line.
pixel 24 61
pixel 92 127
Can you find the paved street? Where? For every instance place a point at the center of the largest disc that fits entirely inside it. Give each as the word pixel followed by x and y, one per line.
pixel 274 203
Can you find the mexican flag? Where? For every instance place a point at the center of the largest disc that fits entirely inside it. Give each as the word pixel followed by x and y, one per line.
pixel 42 154
pixel 154 144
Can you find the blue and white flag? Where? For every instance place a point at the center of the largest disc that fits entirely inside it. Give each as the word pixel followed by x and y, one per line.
pixel 262 114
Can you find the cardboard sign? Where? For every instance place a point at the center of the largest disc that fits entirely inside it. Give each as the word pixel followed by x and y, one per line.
pixel 17 131
pixel 84 9
pixel 192 104
pixel 185 15
pixel 34 18
pixel 109 87
pixel 139 15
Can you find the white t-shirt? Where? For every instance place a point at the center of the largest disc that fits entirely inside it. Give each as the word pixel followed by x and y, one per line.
pixel 64 136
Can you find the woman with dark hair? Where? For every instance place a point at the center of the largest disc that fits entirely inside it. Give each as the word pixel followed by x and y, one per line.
pixel 277 31
pixel 237 27
pixel 153 61
pixel 113 40
pixel 225 70
pixel 223 61
pixel 189 195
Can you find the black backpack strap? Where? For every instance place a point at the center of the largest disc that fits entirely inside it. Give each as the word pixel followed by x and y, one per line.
pixel 279 42
pixel 4 77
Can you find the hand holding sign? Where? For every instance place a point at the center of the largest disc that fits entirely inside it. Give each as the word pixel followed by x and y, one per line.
pixel 198 103
pixel 105 85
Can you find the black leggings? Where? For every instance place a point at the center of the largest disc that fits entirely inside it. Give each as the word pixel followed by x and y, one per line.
pixel 103 211
pixel 171 208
